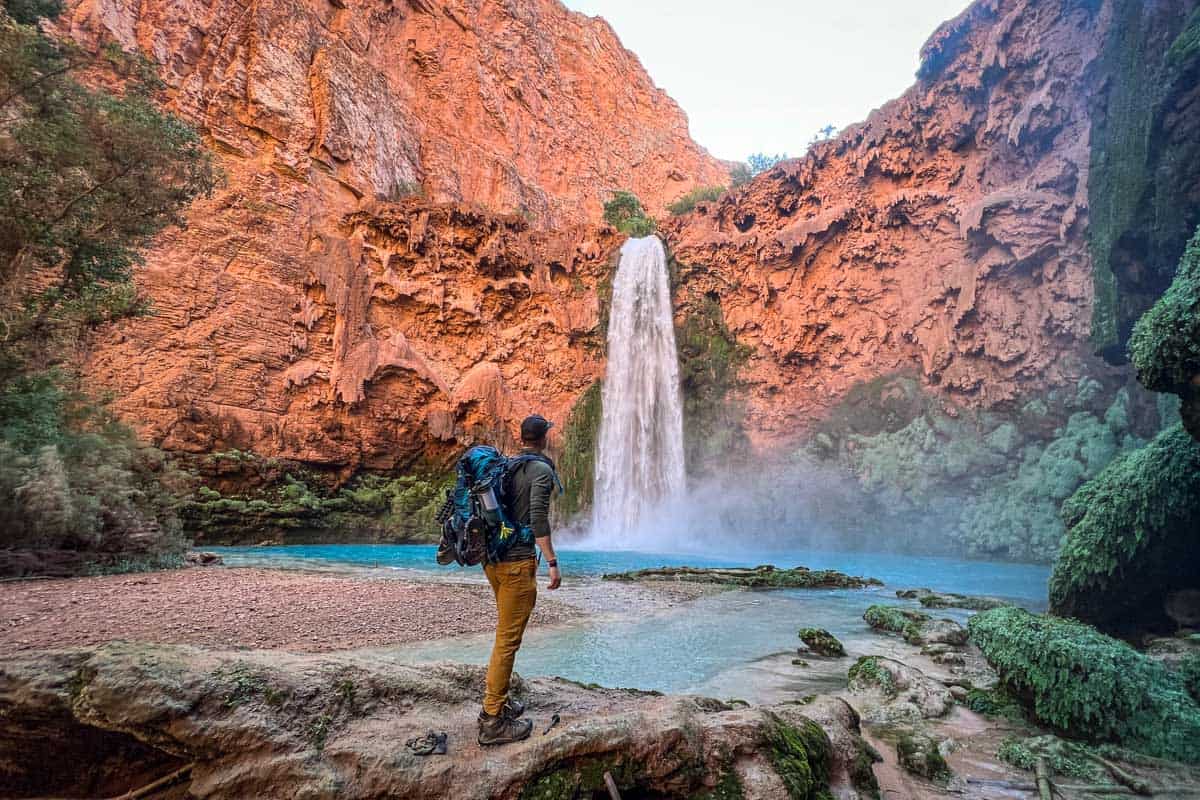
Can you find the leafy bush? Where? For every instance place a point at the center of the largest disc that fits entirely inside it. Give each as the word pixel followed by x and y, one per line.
pixel 73 478
pixel 625 213
pixel 1131 537
pixel 701 194
pixel 740 175
pixel 1088 685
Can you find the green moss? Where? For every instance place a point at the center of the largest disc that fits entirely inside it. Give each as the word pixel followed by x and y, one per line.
pixel 577 463
pixel 709 360
pixel 801 756
pixel 1187 44
pixel 1088 685
pixel 994 702
pixel 625 213
pixel 822 642
pixel 728 788
pixel 1131 538
pixel 1063 757
pixel 894 618
pixel 862 769
pixel 919 755
pixel 1140 212
pixel 1189 670
pixel 371 508
pixel 1165 345
pixel 868 672
pixel 580 778
pixel 701 194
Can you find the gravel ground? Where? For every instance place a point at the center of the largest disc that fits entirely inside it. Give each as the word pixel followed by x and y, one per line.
pixel 309 612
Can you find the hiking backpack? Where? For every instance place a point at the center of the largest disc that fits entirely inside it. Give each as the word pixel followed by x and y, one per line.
pixel 478 523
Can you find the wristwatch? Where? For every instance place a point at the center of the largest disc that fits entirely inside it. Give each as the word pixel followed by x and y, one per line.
pixel 552 562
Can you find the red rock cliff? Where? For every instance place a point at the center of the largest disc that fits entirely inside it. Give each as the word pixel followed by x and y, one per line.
pixel 302 317
pixel 947 233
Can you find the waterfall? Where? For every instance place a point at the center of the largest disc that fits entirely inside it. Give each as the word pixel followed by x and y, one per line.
pixel 639 463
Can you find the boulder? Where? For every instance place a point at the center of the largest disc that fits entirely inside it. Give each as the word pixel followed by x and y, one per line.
pixel 919 755
pixel 822 642
pixel 905 693
pixel 271 723
pixel 932 599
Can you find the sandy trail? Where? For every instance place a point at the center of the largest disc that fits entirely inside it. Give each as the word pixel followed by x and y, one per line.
pixel 259 608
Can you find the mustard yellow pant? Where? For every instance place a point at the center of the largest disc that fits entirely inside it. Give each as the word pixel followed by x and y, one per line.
pixel 514 584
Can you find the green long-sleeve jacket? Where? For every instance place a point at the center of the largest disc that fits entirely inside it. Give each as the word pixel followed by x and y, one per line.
pixel 533 485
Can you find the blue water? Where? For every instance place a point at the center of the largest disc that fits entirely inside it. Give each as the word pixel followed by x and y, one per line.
pixel 710 645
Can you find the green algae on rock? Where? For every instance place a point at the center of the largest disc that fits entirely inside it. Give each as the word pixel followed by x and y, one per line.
pixel 801 755
pixel 932 599
pixel 1088 685
pixel 577 463
pixel 1131 538
pixel 761 577
pixel 821 642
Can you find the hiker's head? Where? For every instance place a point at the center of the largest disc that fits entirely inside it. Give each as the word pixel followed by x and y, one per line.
pixel 534 430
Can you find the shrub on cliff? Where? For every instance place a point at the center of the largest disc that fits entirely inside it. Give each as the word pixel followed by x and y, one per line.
pixel 701 194
pixel 625 213
pixel 1165 345
pixel 1131 537
pixel 1088 685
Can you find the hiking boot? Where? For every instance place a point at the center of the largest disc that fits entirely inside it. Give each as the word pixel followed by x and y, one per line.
pixel 502 729
pixel 445 553
pixel 513 708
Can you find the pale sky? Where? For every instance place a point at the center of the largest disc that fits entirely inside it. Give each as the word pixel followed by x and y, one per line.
pixel 765 75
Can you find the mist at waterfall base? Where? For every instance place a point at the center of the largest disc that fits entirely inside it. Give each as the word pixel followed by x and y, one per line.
pixel 643 500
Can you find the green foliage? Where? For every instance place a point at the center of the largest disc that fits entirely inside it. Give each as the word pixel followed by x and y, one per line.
pixel 868 672
pixel 577 464
pixel 72 477
pixel 1131 536
pixel 1165 345
pixel 760 162
pixel 709 360
pixel 701 194
pixel 994 702
pixel 740 175
pixel 1063 757
pixel 822 642
pixel 27 12
pixel 894 618
pixel 1189 669
pixel 802 757
pixel 1088 685
pixel 625 213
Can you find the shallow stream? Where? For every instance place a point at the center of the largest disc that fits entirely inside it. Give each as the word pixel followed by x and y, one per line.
pixel 727 644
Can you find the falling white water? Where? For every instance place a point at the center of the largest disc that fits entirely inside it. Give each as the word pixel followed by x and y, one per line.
pixel 639 464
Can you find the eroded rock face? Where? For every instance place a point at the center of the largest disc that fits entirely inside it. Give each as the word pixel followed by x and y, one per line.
pixel 947 231
pixel 299 318
pixel 269 723
pixel 521 106
pixel 391 338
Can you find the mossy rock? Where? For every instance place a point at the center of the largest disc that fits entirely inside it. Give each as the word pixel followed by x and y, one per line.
pixel 802 756
pixel 762 577
pixel 1165 345
pixel 577 462
pixel 869 672
pixel 931 599
pixel 896 619
pixel 822 642
pixel 919 755
pixel 1089 686
pixel 1131 538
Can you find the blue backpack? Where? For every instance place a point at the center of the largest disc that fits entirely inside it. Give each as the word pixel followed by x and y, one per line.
pixel 478 523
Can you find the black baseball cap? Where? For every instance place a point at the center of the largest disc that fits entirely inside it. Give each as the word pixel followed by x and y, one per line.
pixel 534 427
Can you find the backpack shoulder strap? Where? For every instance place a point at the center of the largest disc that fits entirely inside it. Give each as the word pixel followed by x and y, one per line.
pixel 518 461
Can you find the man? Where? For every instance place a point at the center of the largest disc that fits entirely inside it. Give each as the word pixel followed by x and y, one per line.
pixel 514 584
